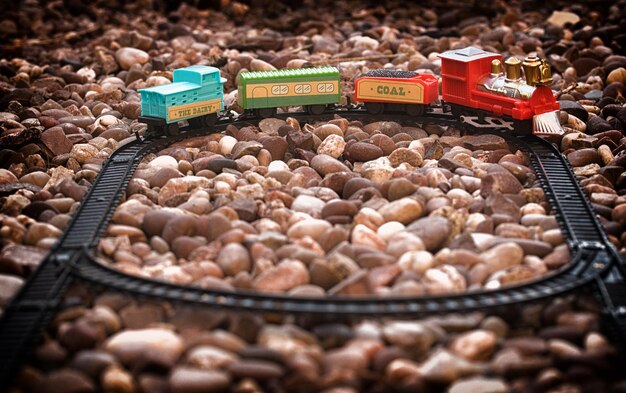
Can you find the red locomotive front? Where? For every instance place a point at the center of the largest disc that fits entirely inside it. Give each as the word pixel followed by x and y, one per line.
pixel 475 78
pixel 394 90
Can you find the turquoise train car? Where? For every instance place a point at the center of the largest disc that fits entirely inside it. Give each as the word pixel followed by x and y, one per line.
pixel 195 95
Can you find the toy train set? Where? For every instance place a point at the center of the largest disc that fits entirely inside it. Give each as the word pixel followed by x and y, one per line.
pixel 477 88
pixel 196 97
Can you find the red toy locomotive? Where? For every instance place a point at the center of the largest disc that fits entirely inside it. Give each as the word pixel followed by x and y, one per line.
pixel 475 86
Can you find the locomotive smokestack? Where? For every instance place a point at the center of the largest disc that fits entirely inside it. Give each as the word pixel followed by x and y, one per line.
pixel 513 69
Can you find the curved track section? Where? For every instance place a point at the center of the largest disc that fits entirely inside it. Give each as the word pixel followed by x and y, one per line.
pixel 590 250
pixel 73 259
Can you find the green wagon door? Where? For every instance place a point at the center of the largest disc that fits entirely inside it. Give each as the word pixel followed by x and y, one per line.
pixel 261 97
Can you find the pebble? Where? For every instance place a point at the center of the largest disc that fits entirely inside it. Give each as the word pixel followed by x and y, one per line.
pixel 277 146
pixel 474 345
pixel 617 75
pixel 260 65
pixel 38 231
pixel 256 369
pixel 115 379
pixel 479 385
pixel 54 139
pixel 363 151
pixel 584 157
pixel 72 381
pixel 596 125
pixel 210 357
pixel 404 210
pixel 445 367
pixel 378 171
pixel 416 261
pixel 405 155
pixel 333 145
pixel 83 152
pixel 9 285
pixel 310 227
pixel 500 182
pixel 308 204
pixel 233 259
pixel 283 277
pixel 191 380
pixel 410 335
pixel 325 165
pixel 503 256
pixel 575 109
pixel 433 231
pixel 226 144
pixel 135 346
pixel 126 57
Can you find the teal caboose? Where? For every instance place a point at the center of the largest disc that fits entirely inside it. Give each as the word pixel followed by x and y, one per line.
pixel 195 95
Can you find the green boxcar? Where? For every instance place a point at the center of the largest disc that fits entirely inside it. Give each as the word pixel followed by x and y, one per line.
pixel 293 87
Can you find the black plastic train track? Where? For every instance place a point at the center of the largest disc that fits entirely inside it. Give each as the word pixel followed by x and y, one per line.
pixel 595 263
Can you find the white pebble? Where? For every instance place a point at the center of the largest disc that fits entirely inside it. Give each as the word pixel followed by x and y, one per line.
pixel 308 204
pixel 126 57
pixel 388 229
pixel 221 187
pixel 226 144
pixel 416 261
pixel 107 120
pixel 164 162
pixel 277 165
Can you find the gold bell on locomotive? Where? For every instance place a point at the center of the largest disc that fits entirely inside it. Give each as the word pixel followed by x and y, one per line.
pixel 536 71
pixel 546 74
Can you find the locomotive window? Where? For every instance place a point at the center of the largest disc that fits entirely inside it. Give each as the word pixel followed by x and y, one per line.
pixel 280 90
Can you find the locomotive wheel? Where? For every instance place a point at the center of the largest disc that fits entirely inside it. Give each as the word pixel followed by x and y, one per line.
pixel 266 112
pixel 316 109
pixel 414 109
pixel 172 129
pixel 459 111
pixel 375 108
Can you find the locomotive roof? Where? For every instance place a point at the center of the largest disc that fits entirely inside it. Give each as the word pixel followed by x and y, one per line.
pixel 290 73
pixel 467 54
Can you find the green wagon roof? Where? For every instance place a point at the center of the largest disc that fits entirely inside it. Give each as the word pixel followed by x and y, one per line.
pixel 289 73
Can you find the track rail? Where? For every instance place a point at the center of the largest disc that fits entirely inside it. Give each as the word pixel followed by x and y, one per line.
pixel 73 257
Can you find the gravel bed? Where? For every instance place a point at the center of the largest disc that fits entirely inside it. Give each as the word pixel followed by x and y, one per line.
pixel 69 72
pixel 115 344
pixel 337 208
